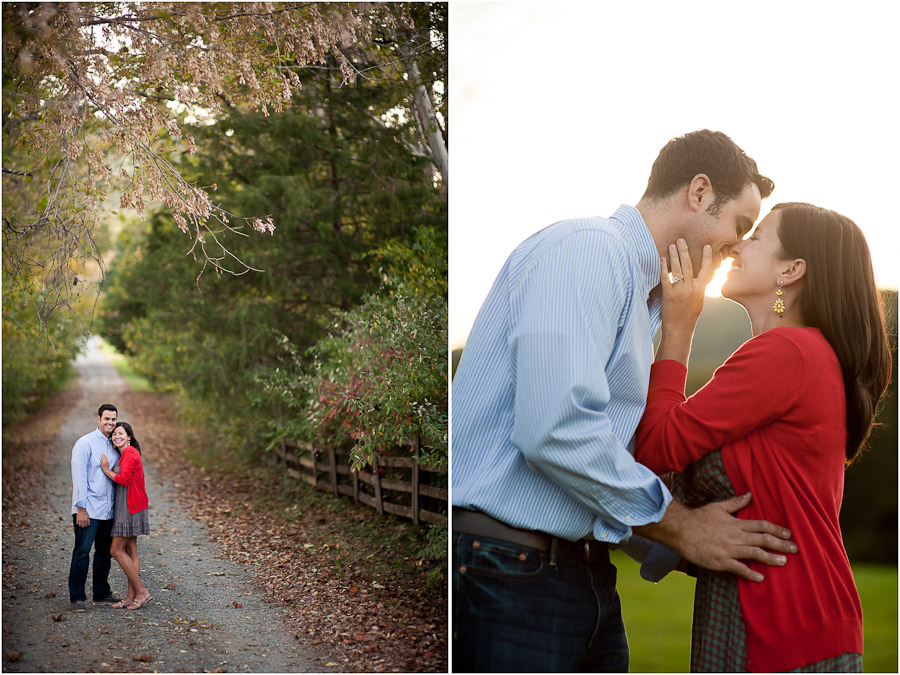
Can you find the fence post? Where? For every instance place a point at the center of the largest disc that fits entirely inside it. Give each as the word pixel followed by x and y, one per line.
pixel 415 480
pixel 355 480
pixel 284 473
pixel 377 476
pixel 334 475
pixel 315 471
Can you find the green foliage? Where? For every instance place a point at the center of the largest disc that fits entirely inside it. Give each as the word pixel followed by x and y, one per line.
pixel 339 183
pixel 869 510
pixel 379 378
pixel 35 357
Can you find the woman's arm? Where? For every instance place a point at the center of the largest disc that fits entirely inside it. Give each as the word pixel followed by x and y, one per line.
pixel 757 385
pixel 104 467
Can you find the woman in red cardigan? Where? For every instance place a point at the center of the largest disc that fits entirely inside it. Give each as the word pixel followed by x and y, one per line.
pixel 780 419
pixel 131 513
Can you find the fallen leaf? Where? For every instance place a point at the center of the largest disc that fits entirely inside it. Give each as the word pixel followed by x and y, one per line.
pixel 146 658
pixel 12 655
pixel 169 587
pixel 237 605
pixel 59 617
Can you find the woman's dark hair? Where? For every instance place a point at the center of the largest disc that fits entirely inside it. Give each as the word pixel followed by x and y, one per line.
pixel 127 428
pixel 710 152
pixel 841 300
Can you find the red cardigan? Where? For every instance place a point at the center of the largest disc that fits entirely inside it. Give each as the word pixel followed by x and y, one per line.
pixel 131 475
pixel 776 408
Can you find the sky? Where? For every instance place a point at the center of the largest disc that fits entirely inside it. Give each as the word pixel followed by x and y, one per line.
pixel 558 109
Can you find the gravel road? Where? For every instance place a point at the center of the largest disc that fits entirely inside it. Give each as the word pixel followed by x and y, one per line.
pixel 205 616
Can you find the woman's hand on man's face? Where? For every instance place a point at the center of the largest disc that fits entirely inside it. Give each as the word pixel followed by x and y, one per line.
pixel 683 293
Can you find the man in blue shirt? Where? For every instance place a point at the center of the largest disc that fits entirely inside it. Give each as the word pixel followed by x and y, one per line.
pixel 546 399
pixel 93 507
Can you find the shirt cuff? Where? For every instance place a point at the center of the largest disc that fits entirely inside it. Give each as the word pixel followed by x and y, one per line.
pixel 635 547
pixel 668 374
pixel 659 562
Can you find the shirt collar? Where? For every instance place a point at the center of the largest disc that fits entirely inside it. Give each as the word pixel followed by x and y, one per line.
pixel 643 247
pixel 101 435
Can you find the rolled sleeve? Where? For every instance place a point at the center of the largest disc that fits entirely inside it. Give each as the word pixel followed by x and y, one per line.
pixel 81 455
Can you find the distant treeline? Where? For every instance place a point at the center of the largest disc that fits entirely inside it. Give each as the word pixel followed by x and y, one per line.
pixel 869 513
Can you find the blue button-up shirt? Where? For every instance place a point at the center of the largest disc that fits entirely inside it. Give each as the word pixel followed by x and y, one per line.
pixel 553 382
pixel 91 489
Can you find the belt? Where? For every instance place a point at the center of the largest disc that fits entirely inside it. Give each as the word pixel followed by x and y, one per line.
pixel 482 525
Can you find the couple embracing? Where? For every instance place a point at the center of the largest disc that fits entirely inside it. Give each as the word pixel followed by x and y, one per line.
pixel 564 427
pixel 109 511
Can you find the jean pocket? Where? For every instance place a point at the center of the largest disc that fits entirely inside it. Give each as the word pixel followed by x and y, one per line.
pixel 497 559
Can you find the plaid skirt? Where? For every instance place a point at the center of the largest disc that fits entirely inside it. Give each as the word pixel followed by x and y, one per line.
pixel 128 524
pixel 718 637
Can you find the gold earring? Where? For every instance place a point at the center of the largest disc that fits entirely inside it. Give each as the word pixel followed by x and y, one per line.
pixel 778 307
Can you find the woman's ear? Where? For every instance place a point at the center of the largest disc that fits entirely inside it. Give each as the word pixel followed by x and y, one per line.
pixel 793 271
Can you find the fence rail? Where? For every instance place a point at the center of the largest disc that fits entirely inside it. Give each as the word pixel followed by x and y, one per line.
pixel 303 463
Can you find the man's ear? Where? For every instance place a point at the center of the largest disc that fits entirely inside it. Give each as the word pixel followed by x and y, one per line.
pixel 700 192
pixel 793 270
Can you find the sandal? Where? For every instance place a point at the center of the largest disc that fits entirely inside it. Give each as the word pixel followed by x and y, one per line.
pixel 121 604
pixel 139 604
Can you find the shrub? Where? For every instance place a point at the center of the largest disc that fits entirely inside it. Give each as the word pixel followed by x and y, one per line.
pixel 378 379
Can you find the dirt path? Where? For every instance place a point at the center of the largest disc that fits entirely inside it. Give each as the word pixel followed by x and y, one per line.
pixel 205 616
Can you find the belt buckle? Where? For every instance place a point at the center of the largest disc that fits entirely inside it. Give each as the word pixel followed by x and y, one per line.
pixel 587 552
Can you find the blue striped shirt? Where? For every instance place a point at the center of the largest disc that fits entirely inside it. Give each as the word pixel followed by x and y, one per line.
pixel 553 382
pixel 91 489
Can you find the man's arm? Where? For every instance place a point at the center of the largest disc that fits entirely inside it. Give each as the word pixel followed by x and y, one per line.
pixel 713 538
pixel 80 457
pixel 567 315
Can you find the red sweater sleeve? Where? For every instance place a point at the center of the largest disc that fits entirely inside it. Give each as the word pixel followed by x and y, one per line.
pixel 758 384
pixel 129 467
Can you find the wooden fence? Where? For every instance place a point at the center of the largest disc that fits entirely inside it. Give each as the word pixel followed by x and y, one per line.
pixel 336 475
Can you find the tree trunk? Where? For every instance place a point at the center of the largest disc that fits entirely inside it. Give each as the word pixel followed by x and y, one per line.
pixel 425 117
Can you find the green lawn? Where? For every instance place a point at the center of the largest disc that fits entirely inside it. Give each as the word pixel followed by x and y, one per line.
pixel 658 617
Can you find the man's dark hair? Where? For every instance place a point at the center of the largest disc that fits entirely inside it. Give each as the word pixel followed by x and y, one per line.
pixel 709 152
pixel 107 406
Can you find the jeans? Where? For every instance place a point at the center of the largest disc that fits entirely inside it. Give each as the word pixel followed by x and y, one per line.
pixel 99 535
pixel 514 611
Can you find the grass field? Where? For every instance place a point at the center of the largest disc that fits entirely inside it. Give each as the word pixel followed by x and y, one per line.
pixel 658 617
